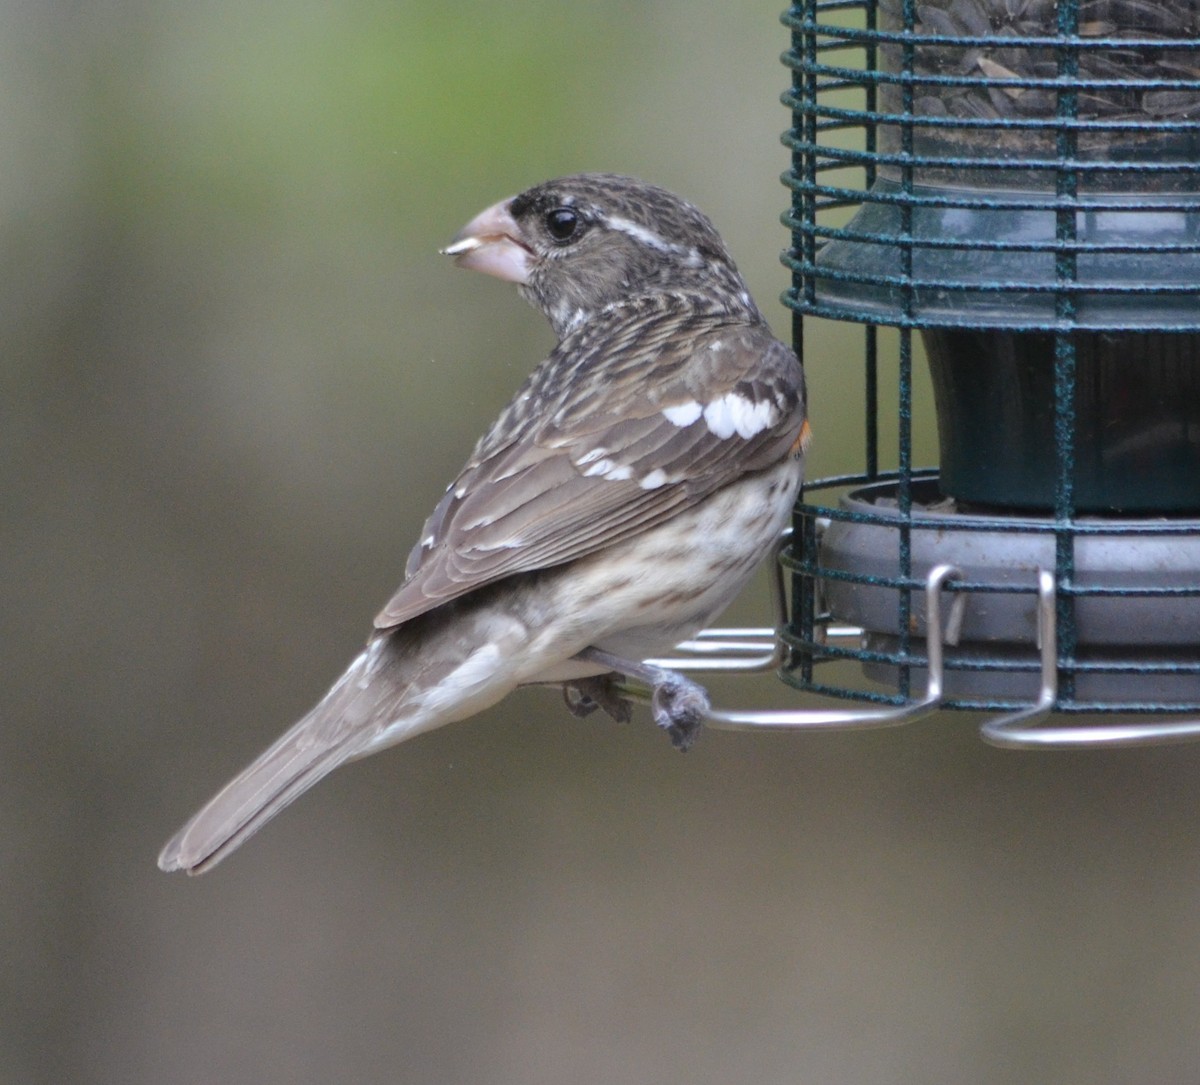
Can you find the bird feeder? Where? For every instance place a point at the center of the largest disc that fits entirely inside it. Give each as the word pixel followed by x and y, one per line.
pixel 1026 199
pixel 1014 187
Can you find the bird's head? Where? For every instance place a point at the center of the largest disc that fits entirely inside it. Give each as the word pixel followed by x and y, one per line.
pixel 578 244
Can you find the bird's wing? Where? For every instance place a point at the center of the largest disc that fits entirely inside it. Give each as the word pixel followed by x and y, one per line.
pixel 631 420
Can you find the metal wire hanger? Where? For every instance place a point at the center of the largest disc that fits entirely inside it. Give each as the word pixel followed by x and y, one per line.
pixel 761 649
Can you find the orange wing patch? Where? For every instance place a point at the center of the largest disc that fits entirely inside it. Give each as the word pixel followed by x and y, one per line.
pixel 802 441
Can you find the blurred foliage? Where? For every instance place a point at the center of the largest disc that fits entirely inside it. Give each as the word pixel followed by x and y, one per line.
pixel 236 376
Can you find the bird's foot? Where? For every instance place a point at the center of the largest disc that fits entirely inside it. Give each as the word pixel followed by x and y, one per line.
pixel 585 695
pixel 679 705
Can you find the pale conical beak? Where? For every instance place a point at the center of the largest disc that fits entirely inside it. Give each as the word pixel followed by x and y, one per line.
pixel 489 243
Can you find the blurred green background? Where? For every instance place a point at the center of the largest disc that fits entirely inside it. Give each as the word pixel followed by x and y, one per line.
pixel 236 378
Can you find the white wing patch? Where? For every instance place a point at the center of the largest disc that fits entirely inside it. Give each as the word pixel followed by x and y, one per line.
pixel 683 414
pixel 733 413
pixel 729 414
pixel 614 472
pixel 596 461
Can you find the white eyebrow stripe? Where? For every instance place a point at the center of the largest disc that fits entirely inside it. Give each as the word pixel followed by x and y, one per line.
pixel 639 233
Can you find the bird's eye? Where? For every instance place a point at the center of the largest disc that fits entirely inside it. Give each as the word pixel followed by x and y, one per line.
pixel 563 223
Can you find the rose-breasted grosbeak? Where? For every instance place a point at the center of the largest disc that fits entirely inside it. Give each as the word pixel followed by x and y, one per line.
pixel 617 505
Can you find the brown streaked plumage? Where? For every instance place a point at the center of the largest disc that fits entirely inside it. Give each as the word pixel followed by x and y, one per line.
pixel 619 502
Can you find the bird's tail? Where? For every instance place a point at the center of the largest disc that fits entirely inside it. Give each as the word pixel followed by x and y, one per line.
pixel 370 701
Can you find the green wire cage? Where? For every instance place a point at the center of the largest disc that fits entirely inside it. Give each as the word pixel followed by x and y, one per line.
pixel 1017 182
pixel 1013 186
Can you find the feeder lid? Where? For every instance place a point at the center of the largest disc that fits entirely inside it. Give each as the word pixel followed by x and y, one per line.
pixel 969 267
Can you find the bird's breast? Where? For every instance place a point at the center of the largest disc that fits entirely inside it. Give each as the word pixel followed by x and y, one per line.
pixel 641 597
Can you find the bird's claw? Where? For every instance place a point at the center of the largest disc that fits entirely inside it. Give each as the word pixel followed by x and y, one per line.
pixel 585 695
pixel 679 706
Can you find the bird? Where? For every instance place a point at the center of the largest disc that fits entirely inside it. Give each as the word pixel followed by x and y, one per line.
pixel 618 503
